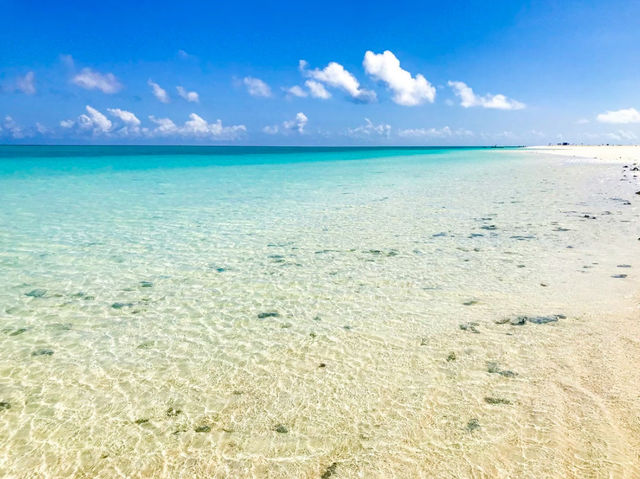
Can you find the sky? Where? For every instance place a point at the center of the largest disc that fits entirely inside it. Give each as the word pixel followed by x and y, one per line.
pixel 472 72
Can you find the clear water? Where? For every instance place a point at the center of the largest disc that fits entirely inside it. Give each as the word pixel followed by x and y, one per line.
pixel 134 282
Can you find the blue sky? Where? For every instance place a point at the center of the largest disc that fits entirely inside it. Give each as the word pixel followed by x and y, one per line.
pixel 330 73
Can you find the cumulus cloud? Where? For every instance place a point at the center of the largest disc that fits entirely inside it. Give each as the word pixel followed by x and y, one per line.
pixel 297 124
pixel 26 84
pixel 622 135
pixel 92 80
pixel 159 92
pixel 408 90
pixel 468 98
pixel 369 129
pixel 190 96
pixel 94 120
pixel 196 127
pixel 124 116
pixel 257 87
pixel 296 90
pixel 628 115
pixel 15 130
pixel 317 90
pixel 444 132
pixel 336 76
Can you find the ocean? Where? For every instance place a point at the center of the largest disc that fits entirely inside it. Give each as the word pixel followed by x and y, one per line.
pixel 305 312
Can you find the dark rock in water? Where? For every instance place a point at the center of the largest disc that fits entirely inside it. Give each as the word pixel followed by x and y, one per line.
pixel 121 305
pixel 141 421
pixel 347 327
pixel 281 428
pixel 269 314
pixel 439 235
pixel 619 276
pixel 203 428
pixel 624 266
pixel 312 334
pixel 36 293
pixel 329 471
pixel 424 341
pixel 471 302
pixel 17 332
pixel 546 319
pixel 4 405
pixel 317 318
pixel 493 400
pixel 375 251
pixel 42 352
pixel 173 412
pixel 452 357
pixel 522 320
pixel 473 424
pixel 322 365
pixel 471 326
pixel 146 284
pixel 493 368
pixel 559 228
pixel 476 235
pixel 489 227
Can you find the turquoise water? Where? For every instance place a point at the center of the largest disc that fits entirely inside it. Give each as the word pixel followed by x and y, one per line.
pixel 267 312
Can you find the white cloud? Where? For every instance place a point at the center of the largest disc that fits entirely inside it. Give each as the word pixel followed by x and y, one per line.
pixel 622 135
pixel 15 130
pixel 297 124
pixel 26 83
pixel 93 80
pixel 628 115
pixel 369 129
pixel 317 89
pixel 196 127
pixel 159 92
pixel 125 116
pixel 444 132
pixel 94 120
pixel 469 98
pixel 190 96
pixel 257 87
pixel 408 91
pixel 296 90
pixel 336 76
pixel 271 129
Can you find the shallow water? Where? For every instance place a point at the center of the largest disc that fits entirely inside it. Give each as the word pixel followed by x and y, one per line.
pixel 135 281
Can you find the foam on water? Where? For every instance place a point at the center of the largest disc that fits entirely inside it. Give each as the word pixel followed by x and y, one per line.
pixel 135 281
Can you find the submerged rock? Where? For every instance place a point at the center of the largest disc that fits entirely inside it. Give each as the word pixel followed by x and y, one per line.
pixel 121 305
pixel 493 368
pixel 329 471
pixel 4 405
pixel 17 332
pixel 522 320
pixel 452 357
pixel 281 428
pixel 173 412
pixel 471 302
pixel 146 284
pixel 203 428
pixel 141 421
pixel 42 352
pixel 36 293
pixel 473 424
pixel 470 326
pixel 494 400
pixel 619 276
pixel 268 314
